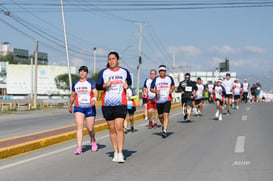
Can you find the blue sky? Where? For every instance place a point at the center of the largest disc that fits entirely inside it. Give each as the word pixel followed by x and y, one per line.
pixel 200 38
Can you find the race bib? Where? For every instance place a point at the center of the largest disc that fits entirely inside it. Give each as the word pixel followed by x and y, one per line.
pixel 84 99
pixel 188 88
pixel 164 93
pixel 116 89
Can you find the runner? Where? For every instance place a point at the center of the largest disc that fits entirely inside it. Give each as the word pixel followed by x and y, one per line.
pixel 228 83
pixel 237 89
pixel 253 92
pixel 258 91
pixel 131 108
pixel 144 102
pixel 114 80
pixel 151 100
pixel 245 91
pixel 198 99
pixel 219 93
pixel 85 94
pixel 163 86
pixel 187 89
pixel 210 89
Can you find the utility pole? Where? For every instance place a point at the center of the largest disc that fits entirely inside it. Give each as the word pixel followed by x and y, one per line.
pixel 35 75
pixel 95 54
pixel 66 49
pixel 139 57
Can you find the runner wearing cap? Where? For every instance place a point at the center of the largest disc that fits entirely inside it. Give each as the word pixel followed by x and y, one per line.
pixel 219 96
pixel 237 89
pixel 198 98
pixel 85 94
pixel 163 86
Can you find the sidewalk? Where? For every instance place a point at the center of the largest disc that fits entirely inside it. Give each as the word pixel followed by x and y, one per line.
pixel 22 144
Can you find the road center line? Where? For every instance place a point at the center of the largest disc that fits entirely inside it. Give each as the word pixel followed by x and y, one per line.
pixel 240 144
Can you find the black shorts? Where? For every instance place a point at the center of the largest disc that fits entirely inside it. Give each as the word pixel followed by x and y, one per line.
pixel 237 97
pixel 144 100
pixel 220 101
pixel 113 112
pixel 228 96
pixel 163 107
pixel 131 111
pixel 198 101
pixel 187 101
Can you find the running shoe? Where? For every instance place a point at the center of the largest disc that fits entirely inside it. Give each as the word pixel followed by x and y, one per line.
pixel 125 130
pixel 155 126
pixel 120 158
pixel 220 117
pixel 217 113
pixel 228 113
pixel 164 134
pixel 78 151
pixel 150 124
pixel 94 146
pixel 115 158
pixel 237 107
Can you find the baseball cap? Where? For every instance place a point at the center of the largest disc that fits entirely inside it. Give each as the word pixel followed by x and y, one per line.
pixel 162 68
pixel 84 68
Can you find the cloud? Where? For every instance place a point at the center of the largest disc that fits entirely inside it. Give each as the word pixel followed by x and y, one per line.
pixel 238 63
pixel 77 62
pixel 225 50
pixel 190 51
pixel 254 49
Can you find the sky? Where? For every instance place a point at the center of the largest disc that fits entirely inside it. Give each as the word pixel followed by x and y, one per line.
pixel 196 35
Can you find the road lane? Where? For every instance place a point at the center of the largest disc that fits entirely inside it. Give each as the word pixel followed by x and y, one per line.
pixel 201 150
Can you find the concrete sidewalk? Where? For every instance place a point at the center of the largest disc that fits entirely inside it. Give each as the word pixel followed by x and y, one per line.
pixel 22 144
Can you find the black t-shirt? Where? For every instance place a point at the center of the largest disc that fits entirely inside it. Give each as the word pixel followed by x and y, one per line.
pixel 188 87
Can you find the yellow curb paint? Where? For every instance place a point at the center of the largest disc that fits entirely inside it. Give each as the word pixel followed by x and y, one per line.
pixel 52 140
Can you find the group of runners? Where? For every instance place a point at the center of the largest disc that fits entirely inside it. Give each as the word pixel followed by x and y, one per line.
pixel 118 101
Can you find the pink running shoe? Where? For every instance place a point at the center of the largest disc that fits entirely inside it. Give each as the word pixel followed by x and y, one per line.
pixel 78 151
pixel 94 146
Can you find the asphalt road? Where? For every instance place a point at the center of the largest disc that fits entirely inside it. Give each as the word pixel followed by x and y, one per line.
pixel 28 122
pixel 239 148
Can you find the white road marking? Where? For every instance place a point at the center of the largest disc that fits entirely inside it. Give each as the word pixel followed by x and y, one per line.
pixel 248 108
pixel 244 117
pixel 240 144
pixel 241 163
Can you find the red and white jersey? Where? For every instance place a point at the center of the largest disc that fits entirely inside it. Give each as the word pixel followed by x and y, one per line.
pixel 164 85
pixel 237 88
pixel 210 87
pixel 114 95
pixel 147 84
pixel 219 92
pixel 83 90
pixel 199 92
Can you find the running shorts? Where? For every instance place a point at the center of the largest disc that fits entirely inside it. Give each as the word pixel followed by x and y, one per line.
pixel 237 97
pixel 131 111
pixel 163 107
pixel 144 100
pixel 220 101
pixel 228 96
pixel 198 101
pixel 151 104
pixel 187 102
pixel 87 111
pixel 113 112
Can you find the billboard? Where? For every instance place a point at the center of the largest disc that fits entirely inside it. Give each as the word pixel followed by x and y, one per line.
pixel 20 79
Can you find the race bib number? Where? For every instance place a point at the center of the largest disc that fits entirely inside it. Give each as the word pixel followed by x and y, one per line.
pixel 188 88
pixel 116 89
pixel 84 100
pixel 164 93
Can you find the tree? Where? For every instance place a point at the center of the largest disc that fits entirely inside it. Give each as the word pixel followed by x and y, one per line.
pixel 62 81
pixel 8 58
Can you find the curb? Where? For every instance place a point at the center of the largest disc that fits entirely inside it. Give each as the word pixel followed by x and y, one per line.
pixel 52 140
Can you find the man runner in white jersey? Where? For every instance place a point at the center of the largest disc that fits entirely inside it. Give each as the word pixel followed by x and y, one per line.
pixel 163 86
pixel 228 85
